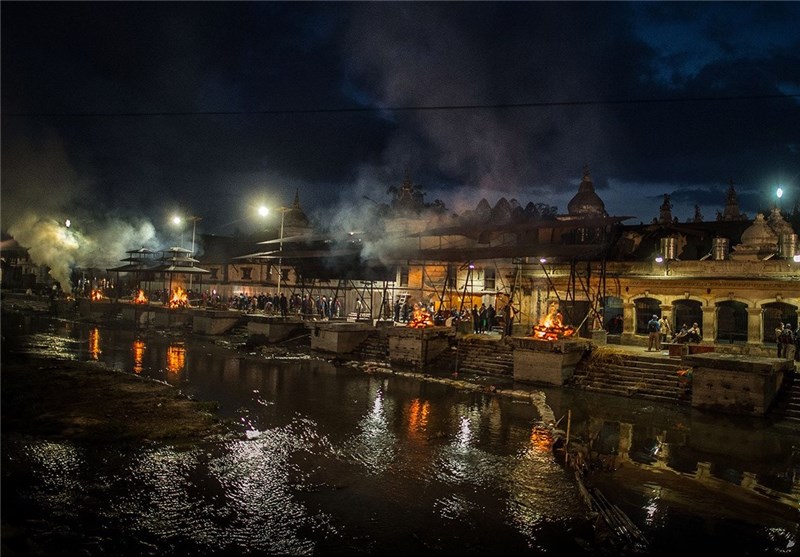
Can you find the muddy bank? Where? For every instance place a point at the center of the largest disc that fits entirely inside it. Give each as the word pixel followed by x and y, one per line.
pixel 83 401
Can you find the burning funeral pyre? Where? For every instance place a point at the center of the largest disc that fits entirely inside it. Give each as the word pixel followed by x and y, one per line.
pixel 420 318
pixel 140 297
pixel 552 326
pixel 179 299
pixel 97 295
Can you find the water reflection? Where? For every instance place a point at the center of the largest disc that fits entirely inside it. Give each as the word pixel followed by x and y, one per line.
pixel 138 356
pixel 338 462
pixel 176 357
pixel 94 343
pixel 417 416
pixel 375 445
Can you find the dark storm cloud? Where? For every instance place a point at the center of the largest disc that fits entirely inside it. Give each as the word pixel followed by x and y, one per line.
pixel 179 61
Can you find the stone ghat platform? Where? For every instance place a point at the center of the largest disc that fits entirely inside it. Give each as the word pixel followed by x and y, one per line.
pixel 274 328
pixel 550 362
pixel 418 346
pixel 736 383
pixel 339 337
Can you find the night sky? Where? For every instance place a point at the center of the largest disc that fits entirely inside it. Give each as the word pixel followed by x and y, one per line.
pixel 117 114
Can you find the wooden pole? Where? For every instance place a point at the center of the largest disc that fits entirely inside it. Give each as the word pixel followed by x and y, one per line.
pixel 566 441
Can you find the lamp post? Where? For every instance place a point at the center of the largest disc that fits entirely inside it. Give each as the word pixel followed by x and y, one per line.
pixel 177 221
pixel 661 259
pixel 194 229
pixel 779 194
pixel 280 248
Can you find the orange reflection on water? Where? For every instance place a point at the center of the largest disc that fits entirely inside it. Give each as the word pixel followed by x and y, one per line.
pixel 176 357
pixel 138 356
pixel 94 343
pixel 418 415
pixel 541 439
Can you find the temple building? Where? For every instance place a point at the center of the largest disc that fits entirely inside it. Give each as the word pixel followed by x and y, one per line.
pixel 736 277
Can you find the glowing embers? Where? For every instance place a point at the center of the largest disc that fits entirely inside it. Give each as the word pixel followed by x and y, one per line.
pixel 179 299
pixel 552 326
pixel 420 318
pixel 140 297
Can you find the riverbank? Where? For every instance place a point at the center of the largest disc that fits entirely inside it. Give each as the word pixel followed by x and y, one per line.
pixel 88 402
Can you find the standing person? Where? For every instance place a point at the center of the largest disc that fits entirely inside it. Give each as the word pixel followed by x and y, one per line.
pixel 797 344
pixel 482 319
pixel 666 329
pixel 786 338
pixel 476 320
pixel 284 304
pixel 490 315
pixel 510 314
pixel 778 331
pixel 397 310
pixel 654 334
pixel 359 308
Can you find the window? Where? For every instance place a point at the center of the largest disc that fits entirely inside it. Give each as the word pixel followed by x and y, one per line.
pixel 246 273
pixel 403 276
pixel 214 272
pixel 452 274
pixel 488 278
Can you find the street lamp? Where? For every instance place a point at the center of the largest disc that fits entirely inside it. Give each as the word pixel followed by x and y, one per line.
pixel 280 247
pixel 264 211
pixel 178 220
pixel 779 194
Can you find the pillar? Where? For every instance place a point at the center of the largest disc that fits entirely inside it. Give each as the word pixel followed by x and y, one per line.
pixel 755 326
pixel 709 326
pixel 628 323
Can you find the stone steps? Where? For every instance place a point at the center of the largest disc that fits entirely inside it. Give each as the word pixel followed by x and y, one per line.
pixel 631 375
pixel 485 356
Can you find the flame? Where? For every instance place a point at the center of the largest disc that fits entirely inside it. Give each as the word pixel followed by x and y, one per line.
pixel 180 298
pixel 420 318
pixel 97 294
pixel 552 326
pixel 140 297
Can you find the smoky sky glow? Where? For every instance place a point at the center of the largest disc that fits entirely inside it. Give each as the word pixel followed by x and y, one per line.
pixel 118 115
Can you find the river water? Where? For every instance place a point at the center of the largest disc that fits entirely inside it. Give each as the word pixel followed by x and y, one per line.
pixel 335 461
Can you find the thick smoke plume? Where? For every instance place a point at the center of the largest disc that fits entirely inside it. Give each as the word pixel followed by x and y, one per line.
pixel 41 191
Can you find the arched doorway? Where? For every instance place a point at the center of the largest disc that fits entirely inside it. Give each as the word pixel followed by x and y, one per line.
pixel 776 313
pixel 646 308
pixel 612 314
pixel 687 311
pixel 731 322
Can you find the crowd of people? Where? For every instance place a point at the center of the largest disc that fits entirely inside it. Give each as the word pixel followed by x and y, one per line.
pixel 659 330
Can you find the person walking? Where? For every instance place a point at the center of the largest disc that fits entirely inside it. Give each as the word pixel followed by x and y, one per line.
pixel 654 334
